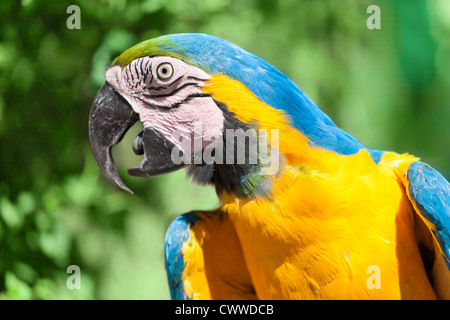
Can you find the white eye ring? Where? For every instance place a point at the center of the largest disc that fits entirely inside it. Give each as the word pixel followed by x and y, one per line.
pixel 164 71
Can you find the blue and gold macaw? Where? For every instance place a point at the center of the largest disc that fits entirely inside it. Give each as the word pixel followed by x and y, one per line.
pixel 306 211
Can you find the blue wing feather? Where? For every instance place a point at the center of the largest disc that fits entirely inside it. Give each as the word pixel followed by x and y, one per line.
pixel 430 193
pixel 177 234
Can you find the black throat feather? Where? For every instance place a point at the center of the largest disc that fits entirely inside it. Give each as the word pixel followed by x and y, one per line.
pixel 242 178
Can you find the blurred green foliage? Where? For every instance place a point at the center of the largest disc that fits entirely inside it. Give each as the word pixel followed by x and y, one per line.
pixel 390 88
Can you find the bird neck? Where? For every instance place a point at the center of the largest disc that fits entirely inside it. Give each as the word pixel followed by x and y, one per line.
pixel 300 122
pixel 278 143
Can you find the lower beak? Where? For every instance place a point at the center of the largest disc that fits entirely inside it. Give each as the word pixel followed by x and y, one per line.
pixel 110 118
pixel 158 155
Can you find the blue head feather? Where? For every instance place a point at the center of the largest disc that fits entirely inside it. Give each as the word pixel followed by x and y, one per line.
pixel 216 55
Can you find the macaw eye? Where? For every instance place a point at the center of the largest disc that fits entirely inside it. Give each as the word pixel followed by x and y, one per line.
pixel 164 71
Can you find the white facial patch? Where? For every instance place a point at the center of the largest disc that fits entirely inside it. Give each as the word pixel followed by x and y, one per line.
pixel 167 95
pixel 142 84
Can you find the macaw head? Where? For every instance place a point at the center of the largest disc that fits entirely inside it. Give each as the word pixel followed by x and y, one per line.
pixel 207 105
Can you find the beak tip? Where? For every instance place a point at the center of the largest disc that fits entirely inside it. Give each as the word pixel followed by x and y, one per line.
pixel 128 190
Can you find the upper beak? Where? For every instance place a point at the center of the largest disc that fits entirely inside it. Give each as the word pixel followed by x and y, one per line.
pixel 110 118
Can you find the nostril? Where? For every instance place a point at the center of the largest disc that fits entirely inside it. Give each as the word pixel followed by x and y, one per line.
pixel 138 146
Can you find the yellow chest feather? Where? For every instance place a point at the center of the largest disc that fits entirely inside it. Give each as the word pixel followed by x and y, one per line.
pixel 336 227
pixel 336 231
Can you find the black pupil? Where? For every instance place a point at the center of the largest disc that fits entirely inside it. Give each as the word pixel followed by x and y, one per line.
pixel 164 70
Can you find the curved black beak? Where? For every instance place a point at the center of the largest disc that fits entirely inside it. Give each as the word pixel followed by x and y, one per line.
pixel 110 118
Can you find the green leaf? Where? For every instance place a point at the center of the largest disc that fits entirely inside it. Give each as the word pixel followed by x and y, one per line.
pixel 10 214
pixel 16 288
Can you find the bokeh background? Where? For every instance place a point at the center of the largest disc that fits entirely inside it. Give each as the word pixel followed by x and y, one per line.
pixel 390 88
